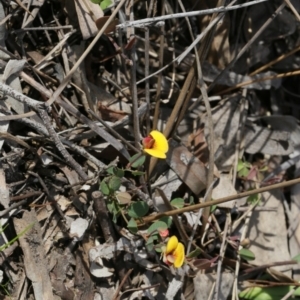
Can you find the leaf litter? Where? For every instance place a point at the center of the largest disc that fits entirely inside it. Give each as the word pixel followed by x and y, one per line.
pixel 83 83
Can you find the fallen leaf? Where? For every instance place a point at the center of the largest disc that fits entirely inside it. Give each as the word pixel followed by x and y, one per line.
pixel 190 170
pixel 111 27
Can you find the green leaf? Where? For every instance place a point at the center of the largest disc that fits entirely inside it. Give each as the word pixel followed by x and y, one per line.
pixel 3 228
pixel 167 220
pixel 267 293
pixel 191 200
pixel 110 170
pixel 96 1
pixel 112 207
pixel 104 188
pixel 177 202
pixel 243 168
pixel 157 225
pixel 114 183
pixel 244 172
pixel 264 169
pixel 3 247
pixel 246 254
pixel 115 218
pixel 158 247
pixel 297 258
pixel 132 226
pixel 240 165
pixel 118 172
pixel 137 173
pixel 243 164
pixel 137 160
pixel 213 208
pixel 252 199
pixel 105 3
pixel 194 253
pixel 138 209
pixel 150 242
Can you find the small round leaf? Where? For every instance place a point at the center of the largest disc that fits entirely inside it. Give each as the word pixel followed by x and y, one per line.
pixel 104 188
pixel 105 3
pixel 118 172
pixel 150 242
pixel 132 226
pixel 177 202
pixel 138 209
pixel 124 197
pixel 137 160
pixel 156 226
pixel 101 22
pixel 110 170
pixel 167 220
pixel 114 183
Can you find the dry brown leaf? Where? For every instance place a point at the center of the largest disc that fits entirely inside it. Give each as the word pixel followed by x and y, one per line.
pixel 87 12
pixel 190 170
pixel 111 27
pixel 198 142
pixel 200 148
pixel 123 197
pixel 220 43
pixel 108 114
pixel 268 234
pixel 35 261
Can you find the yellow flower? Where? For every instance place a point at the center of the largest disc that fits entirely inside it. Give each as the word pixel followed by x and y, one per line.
pixel 173 254
pixel 156 144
